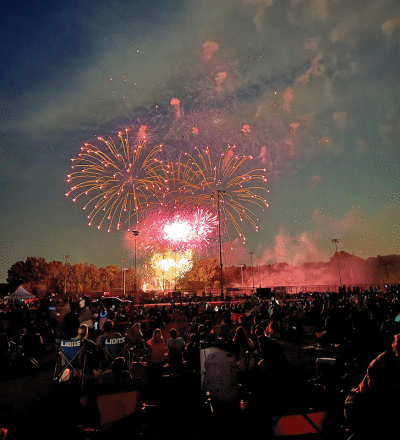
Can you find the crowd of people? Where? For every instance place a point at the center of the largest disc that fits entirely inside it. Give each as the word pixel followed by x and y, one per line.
pixel 168 338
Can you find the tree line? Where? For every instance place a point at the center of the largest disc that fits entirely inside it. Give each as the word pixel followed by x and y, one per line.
pixel 40 277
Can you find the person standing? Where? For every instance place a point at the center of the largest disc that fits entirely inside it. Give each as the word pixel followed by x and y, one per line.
pixel 176 348
pixel 88 317
pixel 103 317
pixel 71 322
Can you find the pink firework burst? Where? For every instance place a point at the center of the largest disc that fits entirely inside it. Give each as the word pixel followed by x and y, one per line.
pixel 179 229
pixel 189 229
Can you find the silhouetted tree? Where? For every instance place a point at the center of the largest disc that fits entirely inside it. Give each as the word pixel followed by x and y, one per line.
pixel 33 270
pixel 204 273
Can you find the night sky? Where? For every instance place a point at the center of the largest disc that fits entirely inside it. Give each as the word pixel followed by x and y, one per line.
pixel 309 88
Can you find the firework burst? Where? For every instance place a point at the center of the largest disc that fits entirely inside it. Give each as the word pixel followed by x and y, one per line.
pixel 221 187
pixel 170 266
pixel 174 228
pixel 121 180
pixel 190 228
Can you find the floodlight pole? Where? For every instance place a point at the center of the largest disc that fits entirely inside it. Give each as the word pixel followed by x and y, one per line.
pixel 163 275
pixel 252 268
pixel 135 234
pixel 122 273
pixel 66 273
pixel 241 272
pixel 218 192
pixel 336 241
pixel 175 251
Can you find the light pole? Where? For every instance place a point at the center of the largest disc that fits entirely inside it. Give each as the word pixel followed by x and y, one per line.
pixel 336 241
pixel 66 273
pixel 135 234
pixel 241 272
pixel 122 269
pixel 133 269
pixel 175 251
pixel 163 275
pixel 252 268
pixel 351 270
pixel 218 193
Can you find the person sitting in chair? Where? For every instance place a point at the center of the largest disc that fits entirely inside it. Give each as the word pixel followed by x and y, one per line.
pixel 118 374
pixel 88 353
pixel 108 334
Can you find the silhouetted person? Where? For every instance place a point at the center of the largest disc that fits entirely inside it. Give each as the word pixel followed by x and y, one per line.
pixel 71 322
pixel 176 348
pixel 117 375
pixel 373 407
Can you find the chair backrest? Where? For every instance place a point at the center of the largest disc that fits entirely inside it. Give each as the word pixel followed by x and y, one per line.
pixel 71 356
pixel 113 348
pixel 70 350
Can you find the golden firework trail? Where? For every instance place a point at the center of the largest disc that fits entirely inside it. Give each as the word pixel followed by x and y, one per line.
pixel 121 181
pixel 201 181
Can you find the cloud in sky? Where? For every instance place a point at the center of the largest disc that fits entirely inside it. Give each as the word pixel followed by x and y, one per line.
pixel 315 181
pixel 391 26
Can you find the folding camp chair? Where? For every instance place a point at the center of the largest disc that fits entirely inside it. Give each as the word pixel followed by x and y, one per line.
pixel 113 348
pixel 71 354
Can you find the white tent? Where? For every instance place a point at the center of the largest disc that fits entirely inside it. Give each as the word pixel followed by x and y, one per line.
pixel 21 293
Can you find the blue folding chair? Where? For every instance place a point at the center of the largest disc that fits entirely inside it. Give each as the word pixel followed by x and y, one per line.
pixel 71 354
pixel 113 348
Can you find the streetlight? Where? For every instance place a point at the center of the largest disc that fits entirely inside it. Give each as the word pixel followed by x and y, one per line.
pixel 175 251
pixel 163 275
pixel 66 273
pixel 241 272
pixel 336 241
pixel 135 234
pixel 252 268
pixel 122 268
pixel 218 193
pixel 124 271
pixel 133 267
pixel 258 270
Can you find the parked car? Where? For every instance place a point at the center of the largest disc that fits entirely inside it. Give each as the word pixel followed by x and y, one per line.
pixel 109 301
